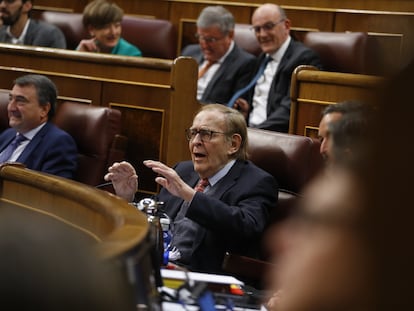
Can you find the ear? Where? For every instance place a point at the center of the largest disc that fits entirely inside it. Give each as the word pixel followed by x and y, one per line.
pixel 231 34
pixel 27 6
pixel 235 142
pixel 44 110
pixel 287 23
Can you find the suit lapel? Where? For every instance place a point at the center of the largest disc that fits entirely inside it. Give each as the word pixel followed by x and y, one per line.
pixel 283 63
pixel 37 139
pixel 221 70
pixel 8 139
pixel 222 187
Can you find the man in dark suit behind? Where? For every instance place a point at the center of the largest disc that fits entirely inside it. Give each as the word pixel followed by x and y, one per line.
pixel 228 65
pixel 267 105
pixel 44 147
pixel 232 211
pixel 19 28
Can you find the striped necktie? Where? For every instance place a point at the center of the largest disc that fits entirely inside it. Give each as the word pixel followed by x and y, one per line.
pixel 204 69
pixel 8 151
pixel 202 184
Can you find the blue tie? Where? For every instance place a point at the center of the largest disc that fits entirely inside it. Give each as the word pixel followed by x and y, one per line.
pixel 8 151
pixel 251 83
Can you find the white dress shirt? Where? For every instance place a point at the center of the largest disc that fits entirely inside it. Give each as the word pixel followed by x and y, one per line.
pixel 261 90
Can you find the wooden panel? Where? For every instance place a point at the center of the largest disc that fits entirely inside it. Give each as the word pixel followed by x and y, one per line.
pixel 391 21
pixel 157 97
pixel 161 6
pixel 394 32
pixel 321 20
pixel 394 5
pixel 312 90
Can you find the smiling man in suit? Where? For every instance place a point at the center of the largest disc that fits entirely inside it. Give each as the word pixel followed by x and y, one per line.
pixel 223 66
pixel 32 139
pixel 267 104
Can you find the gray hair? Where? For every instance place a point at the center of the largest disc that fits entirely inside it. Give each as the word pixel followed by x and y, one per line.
pixel 216 16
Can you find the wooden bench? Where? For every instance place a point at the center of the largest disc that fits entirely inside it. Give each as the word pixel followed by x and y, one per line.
pixel 312 90
pixel 157 97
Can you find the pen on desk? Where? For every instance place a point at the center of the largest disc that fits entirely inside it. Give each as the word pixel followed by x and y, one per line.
pixel 103 185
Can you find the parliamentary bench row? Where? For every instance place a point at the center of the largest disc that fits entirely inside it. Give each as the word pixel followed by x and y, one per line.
pixel 156 97
pixel 96 131
pixel 154 37
pixel 387 23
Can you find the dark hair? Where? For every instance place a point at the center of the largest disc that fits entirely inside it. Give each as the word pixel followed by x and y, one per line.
pixel 351 135
pixel 46 90
pixel 100 13
pixel 347 107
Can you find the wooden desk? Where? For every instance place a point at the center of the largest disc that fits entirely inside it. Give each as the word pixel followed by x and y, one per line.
pixel 115 226
pixel 117 230
pixel 157 97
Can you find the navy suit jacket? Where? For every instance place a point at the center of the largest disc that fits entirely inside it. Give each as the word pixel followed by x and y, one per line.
pixel 278 103
pixel 51 150
pixel 39 34
pixel 232 220
pixel 232 75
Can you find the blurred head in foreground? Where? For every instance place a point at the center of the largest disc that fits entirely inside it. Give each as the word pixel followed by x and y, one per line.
pixel 45 265
pixel 348 247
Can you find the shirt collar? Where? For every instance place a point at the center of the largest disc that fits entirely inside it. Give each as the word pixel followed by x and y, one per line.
pixel 277 56
pixel 19 40
pixel 221 173
pixel 30 134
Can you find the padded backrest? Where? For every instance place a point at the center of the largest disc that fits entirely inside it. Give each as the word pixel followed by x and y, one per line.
pixel 4 101
pixel 154 37
pixel 94 129
pixel 70 24
pixel 292 159
pixel 246 39
pixel 348 52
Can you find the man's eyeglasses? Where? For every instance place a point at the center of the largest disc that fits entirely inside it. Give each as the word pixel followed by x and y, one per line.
pixel 207 39
pixel 266 27
pixel 205 135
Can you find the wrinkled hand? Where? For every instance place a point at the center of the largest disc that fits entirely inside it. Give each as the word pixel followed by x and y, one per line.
pixel 170 180
pixel 88 45
pixel 124 180
pixel 243 106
